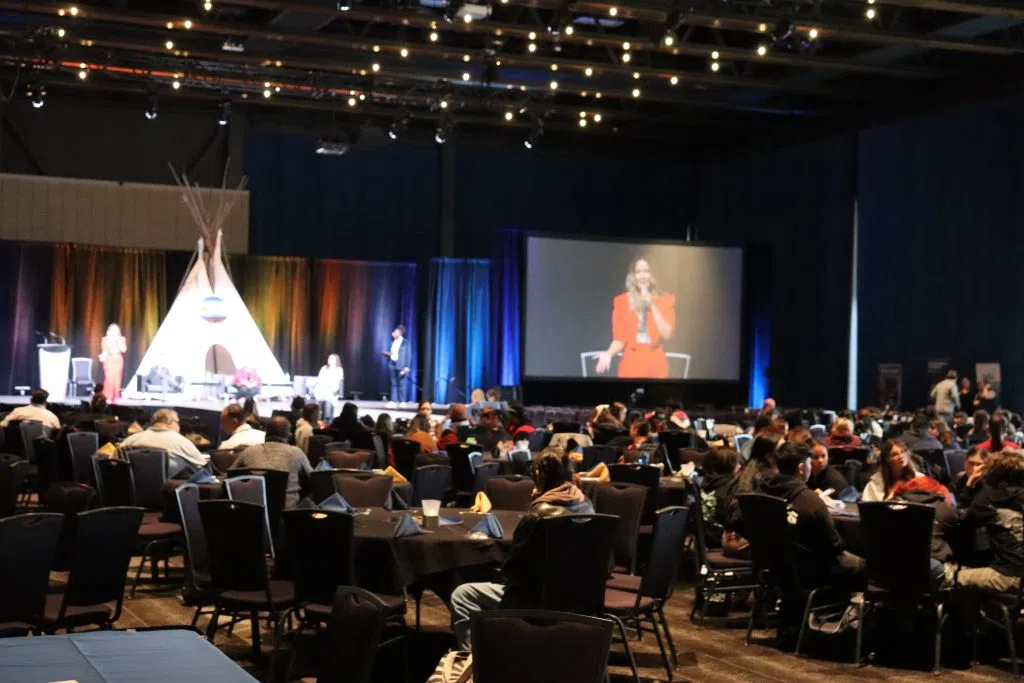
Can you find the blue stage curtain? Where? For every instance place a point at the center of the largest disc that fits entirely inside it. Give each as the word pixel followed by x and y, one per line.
pixel 505 301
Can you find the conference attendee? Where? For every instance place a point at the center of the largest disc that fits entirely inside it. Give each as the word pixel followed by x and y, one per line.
pixel 349 428
pixel 946 396
pixel 419 431
pixel 246 382
pixel 976 457
pixel 295 410
pixel 720 467
pixel 643 319
pixel 823 475
pixel 239 433
pixel 607 423
pixel 425 408
pixel 277 454
pixel 523 571
pixel 477 396
pixel 996 436
pixel 986 399
pixel 966 396
pixel 919 437
pixel 894 466
pixel 399 359
pixel 329 387
pixel 760 465
pixel 927 491
pixel 518 424
pixel 944 434
pixel 183 458
pixel 455 419
pixel 35 411
pixel 113 346
pixel 305 425
pixel 979 427
pixel 490 431
pixel 842 435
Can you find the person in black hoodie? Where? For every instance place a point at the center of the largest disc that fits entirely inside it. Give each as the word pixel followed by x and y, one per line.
pixel 555 494
pixel 720 467
pixel 819 554
pixel 824 476
pixel 760 465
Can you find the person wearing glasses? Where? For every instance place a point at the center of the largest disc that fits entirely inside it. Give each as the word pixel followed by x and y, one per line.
pixel 164 432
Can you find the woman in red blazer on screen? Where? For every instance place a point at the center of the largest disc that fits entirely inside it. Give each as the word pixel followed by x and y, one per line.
pixel 643 319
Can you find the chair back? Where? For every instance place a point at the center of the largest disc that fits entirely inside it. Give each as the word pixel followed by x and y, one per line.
pixel 353 634
pixel 935 462
pixel 221 461
pixel 955 462
pixel 537 439
pixel 46 460
pixel 28 546
pixel 364 491
pixel 252 489
pixel 345 460
pixel 431 482
pixel 12 439
pixel 482 473
pixel 197 555
pixel 819 432
pixel 510 492
pixel 321 484
pixel 83 445
pixel 81 370
pixel 405 452
pixel 592 455
pixel 897 541
pixel 462 471
pixel 662 568
pixel 320 546
pixel 30 431
pixel 114 481
pixel 740 441
pixel 771 539
pixel 12 475
pixel 626 501
pixel 577 549
pixel 380 452
pixel 105 540
pixel 149 474
pixel 696 514
pixel 275 484
pixel 645 475
pixel 519 461
pixel 235 532
pixel 317 448
pixel 838 456
pixel 573 647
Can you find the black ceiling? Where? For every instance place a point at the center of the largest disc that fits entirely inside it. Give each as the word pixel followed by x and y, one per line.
pixel 822 59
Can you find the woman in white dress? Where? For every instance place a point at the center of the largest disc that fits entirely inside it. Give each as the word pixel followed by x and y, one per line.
pixel 329 386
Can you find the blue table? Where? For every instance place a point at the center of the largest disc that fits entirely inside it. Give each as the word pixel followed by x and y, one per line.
pixel 117 657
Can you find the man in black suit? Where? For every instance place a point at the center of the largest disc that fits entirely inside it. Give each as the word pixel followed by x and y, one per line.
pixel 399 360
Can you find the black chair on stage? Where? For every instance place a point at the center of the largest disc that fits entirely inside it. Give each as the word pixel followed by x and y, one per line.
pixel 28 546
pixel 83 445
pixel 364 490
pixel 483 473
pixel 510 492
pixel 405 452
pixel 148 474
pixel 431 482
pixel 898 538
pixel 235 533
pixel 574 648
pixel 626 501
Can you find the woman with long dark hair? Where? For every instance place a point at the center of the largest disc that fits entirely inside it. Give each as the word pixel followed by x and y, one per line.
pixel 350 428
pixel 894 466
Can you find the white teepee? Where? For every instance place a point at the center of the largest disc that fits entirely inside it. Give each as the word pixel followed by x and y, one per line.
pixel 208 331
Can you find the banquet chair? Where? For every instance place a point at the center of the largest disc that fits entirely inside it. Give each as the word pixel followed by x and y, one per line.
pixel 356 632
pixel 12 475
pixel 221 461
pixel 462 470
pixel 955 463
pixel 47 465
pixel 113 481
pixel 538 439
pixel 574 648
pixel 405 452
pixel 1007 607
pixel 148 469
pixel 235 534
pixel 82 446
pixel 482 473
pixel 626 501
pixel 644 475
pixel 364 490
pixel 656 583
pixel 28 546
pixel 740 441
pixel 103 545
pixel 356 460
pixel 380 453
pixel 275 492
pixel 318 448
pixel 197 591
pixel 837 456
pixel 897 540
pixel 592 455
pixel 12 439
pixel 819 432
pixel 431 482
pixel 519 461
pixel 30 431
pixel 510 492
pixel 935 461
pixel 252 488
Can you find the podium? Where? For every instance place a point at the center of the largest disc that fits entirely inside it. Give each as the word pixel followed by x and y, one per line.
pixel 54 365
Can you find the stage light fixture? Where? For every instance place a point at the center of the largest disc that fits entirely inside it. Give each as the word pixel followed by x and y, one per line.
pixel 672 21
pixel 669 39
pixel 224 113
pixel 714 54
pixel 344 5
pixel 533 138
pixel 399 126
pixel 561 18
pixel 626 57
pixel 674 80
pixel 588 72
pixel 267 93
pixel 597 95
pixel 466 58
pixel 782 31
pixel 404 52
pixel 762 50
pixel 532 35
pixel 554 67
pixel 569 30
pixel 352 101
pixel 583 123
pixel 532 47
pixel 871 13
pixel 762 27
pixel 169 44
pixel 442 132
pixel 626 46
pixel 61 33
pixel 433 36
pixel 636 75
pixel 443 104
pixel 153 107
pixel 170 25
pixel 38 95
pixel 362 97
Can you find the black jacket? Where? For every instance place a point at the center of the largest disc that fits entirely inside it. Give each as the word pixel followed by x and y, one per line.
pixel 945 521
pixel 748 481
pixel 1000 508
pixel 818 544
pixel 714 490
pixel 605 432
pixel 828 478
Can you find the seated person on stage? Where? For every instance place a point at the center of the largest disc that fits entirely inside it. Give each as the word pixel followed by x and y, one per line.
pixel 823 475
pixel 997 505
pixel 239 433
pixel 490 431
pixel 35 411
pixel 159 378
pixel 818 549
pixel 894 466
pixel 276 454
pixel 555 494
pixel 419 431
pixel 183 458
pixel 721 467
pixel 305 425
pixel 918 437
pixel 996 433
pixel 927 491
pixel 974 459
pixel 842 435
pixel 247 382
pixel 349 428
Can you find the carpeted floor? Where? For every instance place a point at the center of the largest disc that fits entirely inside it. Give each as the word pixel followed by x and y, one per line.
pixel 713 653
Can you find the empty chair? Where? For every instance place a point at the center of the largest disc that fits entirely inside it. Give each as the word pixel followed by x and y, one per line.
pixel 592 455
pixel 510 492
pixel 955 463
pixel 519 461
pixel 46 463
pixel 30 431
pixel 103 545
pixel 364 490
pixel 114 481
pixel 538 440
pixel 28 546
pixel 644 475
pixel 572 647
pixel 405 452
pixel 431 482
pixel 740 441
pixel 252 488
pixel 819 432
pixel 83 445
pixel 276 482
pixel 626 501
pixel 462 471
pixel 482 473
pixel 355 634
pixel 196 592
pixel 356 460
pixel 148 474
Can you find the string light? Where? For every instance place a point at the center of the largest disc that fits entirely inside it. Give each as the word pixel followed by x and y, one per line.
pixel 509 116
pixel 583 123
pixel 626 46
pixel 871 14
pixel 60 33
pixel 352 101
pixel 813 34
pixel 532 47
pixel 375 66
pixel 715 66
pixel 465 75
pixel 169 44
pixel 187 24
pixel 626 57
pixel 597 118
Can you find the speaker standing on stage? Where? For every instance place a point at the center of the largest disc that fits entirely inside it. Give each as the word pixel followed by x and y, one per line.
pixel 112 349
pixel 399 358
pixel 643 319
pixel 329 385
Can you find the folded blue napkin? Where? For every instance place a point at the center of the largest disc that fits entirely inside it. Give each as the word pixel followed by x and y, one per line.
pixel 407 526
pixel 489 525
pixel 201 476
pixel 336 502
pixel 306 504
pixel 849 495
pixel 324 464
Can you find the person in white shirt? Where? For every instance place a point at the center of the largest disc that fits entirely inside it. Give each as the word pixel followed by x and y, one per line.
pixel 329 385
pixel 164 433
pixel 35 411
pixel 239 432
pixel 946 396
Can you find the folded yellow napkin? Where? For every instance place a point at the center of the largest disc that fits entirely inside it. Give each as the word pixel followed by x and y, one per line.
pixel 482 504
pixel 108 449
pixel 393 473
pixel 600 471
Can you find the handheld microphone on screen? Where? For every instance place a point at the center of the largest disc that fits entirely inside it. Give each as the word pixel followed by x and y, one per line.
pixel 637 394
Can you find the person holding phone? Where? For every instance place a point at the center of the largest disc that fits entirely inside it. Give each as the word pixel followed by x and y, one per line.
pixel 643 319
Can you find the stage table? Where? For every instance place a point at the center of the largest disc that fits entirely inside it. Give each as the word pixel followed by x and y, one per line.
pixel 169 656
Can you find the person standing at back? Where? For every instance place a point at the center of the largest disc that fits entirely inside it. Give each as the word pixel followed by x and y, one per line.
pixel 946 397
pixel 399 359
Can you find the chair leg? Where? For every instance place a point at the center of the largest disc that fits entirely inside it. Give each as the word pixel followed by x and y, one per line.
pixel 625 644
pixel 1008 626
pixel 417 598
pixel 278 637
pixel 668 636
pixel 863 611
pixel 940 619
pixel 195 617
pixel 704 606
pixel 147 552
pixel 254 619
pixel 211 628
pixel 661 646
pixel 803 622
pixel 753 615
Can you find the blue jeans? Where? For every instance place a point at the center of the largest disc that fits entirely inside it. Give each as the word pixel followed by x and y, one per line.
pixel 469 599
pixel 399 384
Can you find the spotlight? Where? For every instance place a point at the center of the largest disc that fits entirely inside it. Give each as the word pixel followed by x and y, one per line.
pixel 569 30
pixel 554 67
pixel 433 36
pixel 762 27
pixel 442 132
pixel 597 118
pixel 466 58
pixel 404 53
pixel 73 11
pixel 465 75
pixel 669 39
pixel 352 101
pixel 626 45
pixel 672 21
pixel 714 54
pixel 533 35
pixel 583 123
pixel 169 44
pixel 224 115
pixel 38 94
pixel 267 93
pixel 674 80
pixel 399 127
pixel 375 67
pixel 871 13
pixel 636 75
pixel 762 50
pixel 153 107
pixel 187 24
pixel 443 104
pixel 613 11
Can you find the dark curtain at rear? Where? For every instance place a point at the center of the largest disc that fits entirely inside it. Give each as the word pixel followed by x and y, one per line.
pixel 25 308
